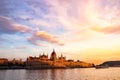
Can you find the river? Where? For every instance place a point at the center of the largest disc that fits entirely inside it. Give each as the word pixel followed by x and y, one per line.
pixel 62 74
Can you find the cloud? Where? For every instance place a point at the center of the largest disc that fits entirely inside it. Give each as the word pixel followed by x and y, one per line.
pixel 21 47
pixel 107 30
pixel 4 10
pixel 40 23
pixel 2 39
pixel 7 26
pixel 112 30
pixel 44 36
pixel 36 42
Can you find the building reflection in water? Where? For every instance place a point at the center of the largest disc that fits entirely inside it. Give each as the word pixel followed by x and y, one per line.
pixel 55 73
pixel 46 74
pixel 62 74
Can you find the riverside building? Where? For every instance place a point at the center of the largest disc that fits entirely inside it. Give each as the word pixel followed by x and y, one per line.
pixel 43 61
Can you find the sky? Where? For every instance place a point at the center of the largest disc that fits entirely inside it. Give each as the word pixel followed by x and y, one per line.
pixel 86 30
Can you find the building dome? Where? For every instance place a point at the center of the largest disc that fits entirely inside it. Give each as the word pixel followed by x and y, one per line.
pixel 53 56
pixel 53 53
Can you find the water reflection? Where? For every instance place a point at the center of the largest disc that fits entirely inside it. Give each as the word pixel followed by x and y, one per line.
pixel 55 73
pixel 12 74
pixel 46 74
pixel 62 74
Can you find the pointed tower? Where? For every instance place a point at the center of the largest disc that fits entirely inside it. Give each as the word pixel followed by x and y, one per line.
pixel 39 55
pixel 61 55
pixel 43 54
pixel 53 56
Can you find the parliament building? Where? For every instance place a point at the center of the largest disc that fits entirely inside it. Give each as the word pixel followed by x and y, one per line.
pixel 43 61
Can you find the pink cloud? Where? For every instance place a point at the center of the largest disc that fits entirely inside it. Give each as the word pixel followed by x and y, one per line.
pixel 44 36
pixel 7 26
pixel 21 47
pixel 35 42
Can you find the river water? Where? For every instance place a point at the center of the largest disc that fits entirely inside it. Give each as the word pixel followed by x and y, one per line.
pixel 62 74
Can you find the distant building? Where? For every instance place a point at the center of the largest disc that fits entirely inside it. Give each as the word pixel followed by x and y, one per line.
pixel 16 62
pixel 43 57
pixel 3 61
pixel 53 62
pixel 44 62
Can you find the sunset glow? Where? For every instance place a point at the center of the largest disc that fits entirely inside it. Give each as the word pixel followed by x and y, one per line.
pixel 88 30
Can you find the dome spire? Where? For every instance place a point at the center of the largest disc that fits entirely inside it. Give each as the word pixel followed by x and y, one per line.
pixel 53 55
pixel 53 50
pixel 61 55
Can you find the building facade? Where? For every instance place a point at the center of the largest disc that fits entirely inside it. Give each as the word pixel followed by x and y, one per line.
pixel 43 61
pixel 3 61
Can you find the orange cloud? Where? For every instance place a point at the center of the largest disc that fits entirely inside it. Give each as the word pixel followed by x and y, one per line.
pixel 108 30
pixel 112 30
pixel 44 36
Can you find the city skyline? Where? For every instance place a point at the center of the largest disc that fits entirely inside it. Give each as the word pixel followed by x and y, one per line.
pixel 87 30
